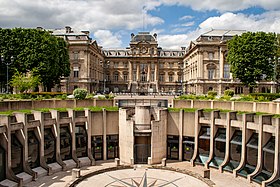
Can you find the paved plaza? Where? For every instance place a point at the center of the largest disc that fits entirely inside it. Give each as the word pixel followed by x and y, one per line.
pixel 128 176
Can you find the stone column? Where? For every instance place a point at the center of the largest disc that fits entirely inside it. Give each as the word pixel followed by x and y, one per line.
pixel 138 72
pixel 149 72
pixel 130 71
pixel 221 63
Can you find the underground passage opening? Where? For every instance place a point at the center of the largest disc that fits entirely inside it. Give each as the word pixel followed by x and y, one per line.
pixel 142 149
pixel 97 147
pixel 112 146
pixel 2 163
pixel 65 143
pixel 33 150
pixel 203 145
pixel 173 147
pixel 81 141
pixel 235 151
pixel 219 148
pixel 267 161
pixel 49 146
pixel 16 154
pixel 188 148
pixel 251 156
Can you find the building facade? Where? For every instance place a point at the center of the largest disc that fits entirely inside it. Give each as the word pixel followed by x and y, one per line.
pixel 144 67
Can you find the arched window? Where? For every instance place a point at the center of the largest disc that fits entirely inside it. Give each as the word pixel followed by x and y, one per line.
pixel 211 71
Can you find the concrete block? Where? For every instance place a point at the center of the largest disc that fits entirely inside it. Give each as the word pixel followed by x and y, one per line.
pixel 76 173
pixel 149 161
pixel 117 162
pixel 163 162
pixel 131 161
pixel 206 173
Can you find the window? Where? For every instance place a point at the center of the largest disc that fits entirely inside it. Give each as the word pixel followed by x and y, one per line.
pixel 161 77
pixel 170 65
pixel 125 77
pixel 170 78
pixel 161 65
pixel 134 76
pixel 76 72
pixel 116 64
pixel 134 66
pixel 210 55
pixel 226 71
pixel 152 66
pixel 180 78
pixel 116 76
pixel 125 65
pixel 152 76
pixel 143 77
pixel 238 90
pixel 211 73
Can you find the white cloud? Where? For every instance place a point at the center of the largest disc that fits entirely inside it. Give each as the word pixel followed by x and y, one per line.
pixel 185 17
pixel 84 14
pixel 107 39
pixel 268 22
pixel 225 5
pixel 188 24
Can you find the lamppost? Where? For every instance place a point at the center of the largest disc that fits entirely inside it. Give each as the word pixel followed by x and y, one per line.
pixel 7 64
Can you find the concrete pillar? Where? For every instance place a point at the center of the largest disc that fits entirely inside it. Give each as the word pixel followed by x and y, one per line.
pixel 213 130
pixel 196 133
pixel 260 150
pixel 104 134
pixel 117 162
pixel 245 139
pixel 76 173
pixel 229 134
pixel 163 162
pixel 276 170
pixel 88 128
pixel 181 121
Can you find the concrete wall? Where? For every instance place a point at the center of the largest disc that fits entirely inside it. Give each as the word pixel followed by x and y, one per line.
pixel 173 123
pixel 159 138
pixel 112 122
pixel 126 137
pixel 30 104
pixel 266 107
pixel 188 124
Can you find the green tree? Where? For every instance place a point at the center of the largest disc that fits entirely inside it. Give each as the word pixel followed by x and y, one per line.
pixel 24 82
pixel 33 48
pixel 251 57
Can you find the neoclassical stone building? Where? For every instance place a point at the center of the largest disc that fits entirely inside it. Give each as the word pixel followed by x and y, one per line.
pixel 144 67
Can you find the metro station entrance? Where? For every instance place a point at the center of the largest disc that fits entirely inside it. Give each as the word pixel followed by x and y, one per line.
pixel 142 149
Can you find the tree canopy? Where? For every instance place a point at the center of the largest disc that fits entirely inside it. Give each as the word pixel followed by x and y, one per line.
pixel 252 57
pixel 35 49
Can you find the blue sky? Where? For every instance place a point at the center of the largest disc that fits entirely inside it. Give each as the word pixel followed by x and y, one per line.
pixel 111 22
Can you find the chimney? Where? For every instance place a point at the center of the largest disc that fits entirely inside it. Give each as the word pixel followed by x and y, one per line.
pixel 85 32
pixel 132 35
pixel 155 35
pixel 68 29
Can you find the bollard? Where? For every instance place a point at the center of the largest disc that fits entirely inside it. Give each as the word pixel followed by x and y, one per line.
pixel 149 161
pixel 206 173
pixel 117 162
pixel 131 161
pixel 76 173
pixel 163 162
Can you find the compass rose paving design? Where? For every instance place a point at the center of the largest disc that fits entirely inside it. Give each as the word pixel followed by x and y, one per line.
pixel 142 177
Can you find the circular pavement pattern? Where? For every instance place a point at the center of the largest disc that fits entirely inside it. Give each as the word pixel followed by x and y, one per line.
pixel 142 177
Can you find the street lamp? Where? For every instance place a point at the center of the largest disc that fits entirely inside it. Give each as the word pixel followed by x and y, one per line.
pixel 7 64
